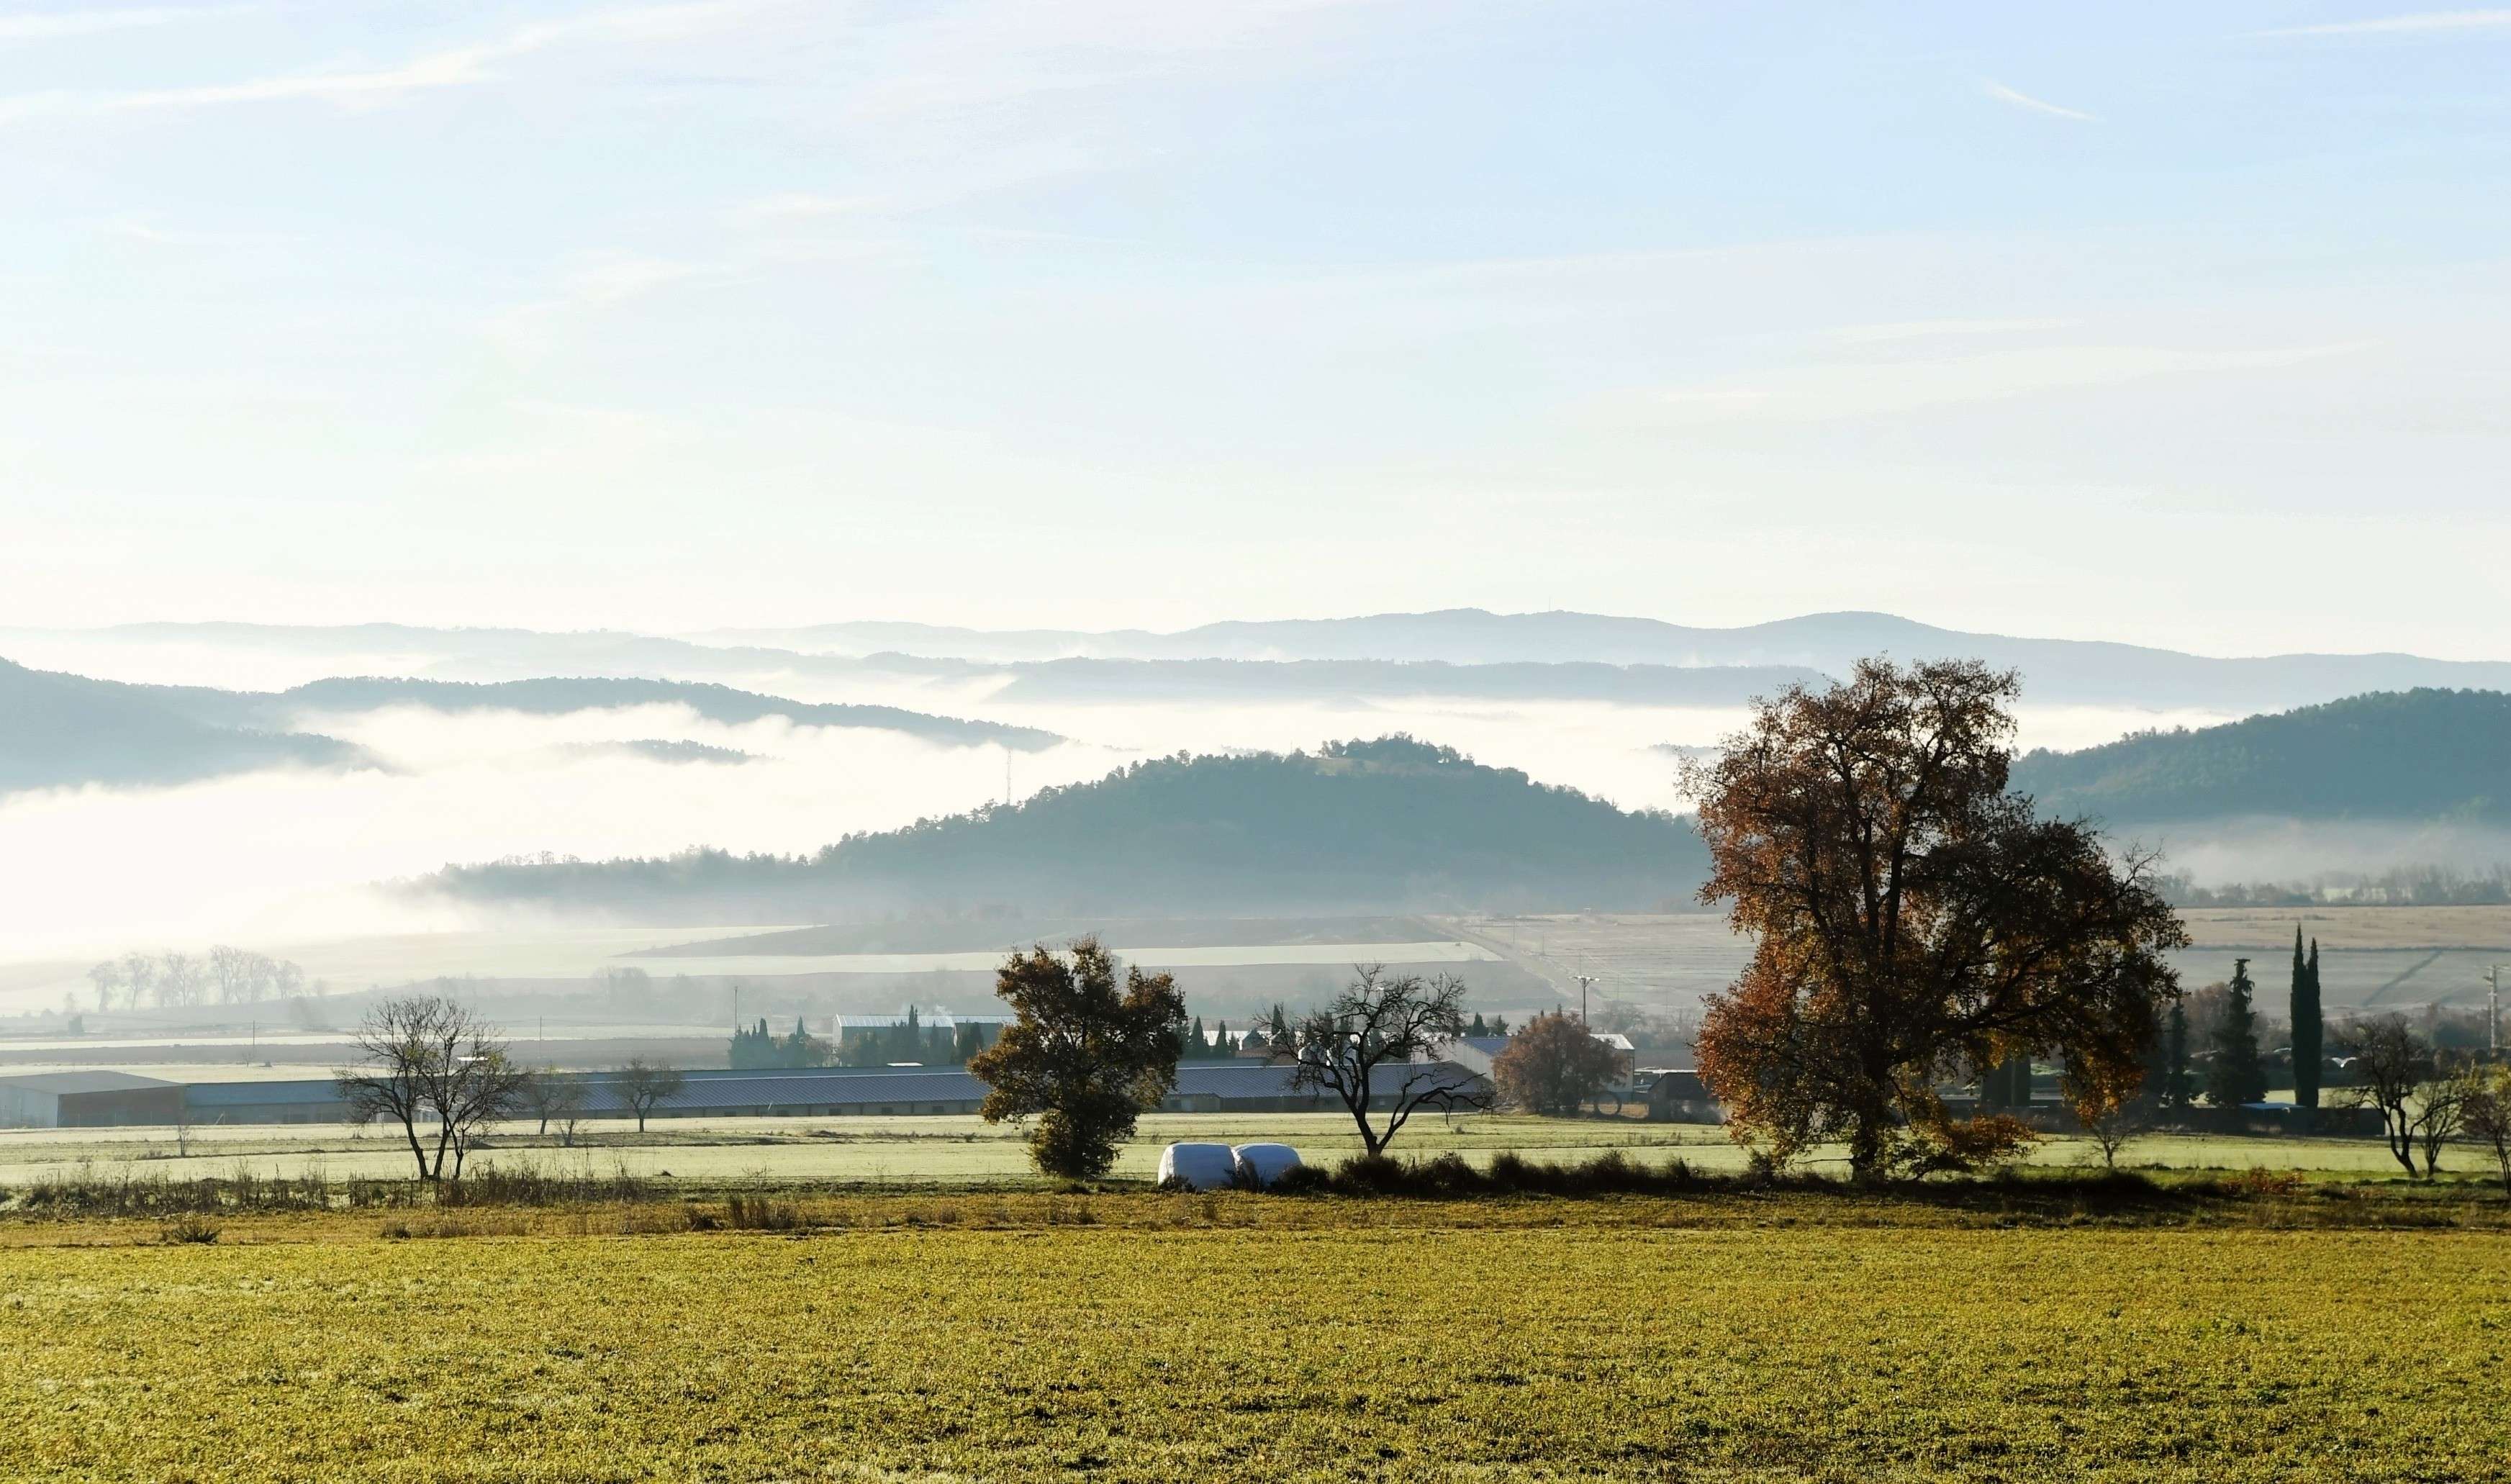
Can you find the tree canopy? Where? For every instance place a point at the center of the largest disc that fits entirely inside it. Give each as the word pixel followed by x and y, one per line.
pixel 1913 919
pixel 1081 1056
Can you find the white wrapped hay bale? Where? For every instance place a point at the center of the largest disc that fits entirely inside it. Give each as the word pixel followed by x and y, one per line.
pixel 1204 1166
pixel 1260 1165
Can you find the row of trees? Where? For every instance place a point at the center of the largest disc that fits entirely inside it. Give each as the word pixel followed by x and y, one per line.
pixel 224 975
pixel 2402 886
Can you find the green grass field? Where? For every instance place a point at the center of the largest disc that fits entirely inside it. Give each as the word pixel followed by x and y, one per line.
pixel 953 1151
pixel 1161 1337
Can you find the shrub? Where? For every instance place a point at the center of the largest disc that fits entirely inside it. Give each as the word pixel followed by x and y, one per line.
pixel 188 1230
pixel 760 1213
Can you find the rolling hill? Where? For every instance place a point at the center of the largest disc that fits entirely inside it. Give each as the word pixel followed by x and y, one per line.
pixel 2423 756
pixel 63 731
pixel 1388 826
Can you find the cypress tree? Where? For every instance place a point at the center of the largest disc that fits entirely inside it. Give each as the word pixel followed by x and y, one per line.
pixel 2177 1090
pixel 2310 1030
pixel 1196 1047
pixel 1221 1044
pixel 2235 1075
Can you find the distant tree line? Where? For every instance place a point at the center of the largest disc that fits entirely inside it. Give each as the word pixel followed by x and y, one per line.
pixel 2400 886
pixel 224 975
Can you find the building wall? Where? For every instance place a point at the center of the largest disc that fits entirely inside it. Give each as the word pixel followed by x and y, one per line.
pixel 122 1108
pixel 28 1107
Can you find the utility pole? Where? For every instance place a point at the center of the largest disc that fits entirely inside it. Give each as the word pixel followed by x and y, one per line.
pixel 1584 980
pixel 2493 1009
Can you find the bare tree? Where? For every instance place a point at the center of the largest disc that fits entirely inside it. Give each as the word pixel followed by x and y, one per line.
pixel 231 969
pixel 179 980
pixel 644 1084
pixel 429 1059
pixel 2441 1111
pixel 2486 1114
pixel 550 1097
pixel 138 977
pixel 2390 1061
pixel 1395 1027
pixel 107 977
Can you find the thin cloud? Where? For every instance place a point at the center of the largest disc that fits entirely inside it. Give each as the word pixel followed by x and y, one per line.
pixel 2005 95
pixel 455 67
pixel 2424 20
pixel 46 25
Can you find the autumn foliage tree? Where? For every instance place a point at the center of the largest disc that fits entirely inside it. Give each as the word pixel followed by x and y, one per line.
pixel 1913 919
pixel 1081 1056
pixel 1552 1066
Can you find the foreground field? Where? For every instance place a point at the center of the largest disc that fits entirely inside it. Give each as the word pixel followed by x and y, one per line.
pixel 1156 1338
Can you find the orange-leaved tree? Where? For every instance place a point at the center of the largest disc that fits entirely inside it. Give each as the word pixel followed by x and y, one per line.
pixel 1552 1064
pixel 1915 922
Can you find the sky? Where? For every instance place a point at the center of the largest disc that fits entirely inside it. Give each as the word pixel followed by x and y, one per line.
pixel 2176 324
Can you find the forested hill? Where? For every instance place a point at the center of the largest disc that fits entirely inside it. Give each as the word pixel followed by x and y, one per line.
pixel 1392 825
pixel 2413 754
pixel 558 696
pixel 63 731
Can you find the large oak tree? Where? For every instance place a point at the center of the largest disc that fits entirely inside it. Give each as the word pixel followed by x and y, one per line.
pixel 1915 920
pixel 1081 1056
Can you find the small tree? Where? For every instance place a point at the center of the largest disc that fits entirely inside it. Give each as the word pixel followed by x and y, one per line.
pixel 2109 1112
pixel 2390 1061
pixel 2486 1114
pixel 551 1098
pixel 644 1085
pixel 428 1060
pixel 1397 1027
pixel 1552 1066
pixel 2236 1076
pixel 2441 1111
pixel 1080 1056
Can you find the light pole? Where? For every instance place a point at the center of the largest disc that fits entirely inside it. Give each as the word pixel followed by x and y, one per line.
pixel 1584 980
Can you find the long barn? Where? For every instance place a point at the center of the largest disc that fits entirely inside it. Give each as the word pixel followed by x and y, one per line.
pixel 815 1092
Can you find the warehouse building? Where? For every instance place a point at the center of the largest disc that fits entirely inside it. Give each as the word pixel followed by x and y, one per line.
pixel 813 1092
pixel 87 1100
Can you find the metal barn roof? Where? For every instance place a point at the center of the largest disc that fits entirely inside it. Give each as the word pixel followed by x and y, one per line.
pixel 83 1081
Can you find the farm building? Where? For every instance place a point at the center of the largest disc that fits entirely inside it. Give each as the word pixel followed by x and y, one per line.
pixel 87 1100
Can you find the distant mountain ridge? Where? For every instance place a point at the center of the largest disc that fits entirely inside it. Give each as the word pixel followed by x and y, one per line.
pixel 1390 825
pixel 1624 657
pixel 2430 754
pixel 2055 670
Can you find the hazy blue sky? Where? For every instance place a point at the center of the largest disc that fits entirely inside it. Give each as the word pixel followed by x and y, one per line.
pixel 2183 322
